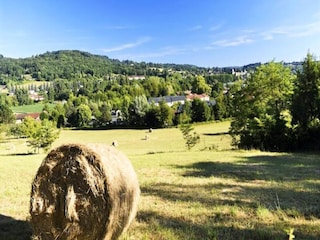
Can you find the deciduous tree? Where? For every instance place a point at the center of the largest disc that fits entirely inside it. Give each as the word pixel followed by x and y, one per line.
pixel 191 138
pixel 6 114
pixel 261 109
pixel 43 136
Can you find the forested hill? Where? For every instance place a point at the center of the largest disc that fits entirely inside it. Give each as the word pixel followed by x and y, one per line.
pixel 68 64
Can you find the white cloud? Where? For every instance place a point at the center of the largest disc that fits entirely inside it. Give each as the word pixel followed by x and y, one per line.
pixel 196 28
pixel 240 40
pixel 250 36
pixel 271 34
pixel 304 30
pixel 216 27
pixel 150 56
pixel 127 45
pixel 293 31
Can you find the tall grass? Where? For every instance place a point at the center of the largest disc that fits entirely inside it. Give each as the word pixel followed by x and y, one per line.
pixel 210 192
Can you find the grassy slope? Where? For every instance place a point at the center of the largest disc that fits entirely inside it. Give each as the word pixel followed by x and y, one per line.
pixel 201 194
pixel 37 107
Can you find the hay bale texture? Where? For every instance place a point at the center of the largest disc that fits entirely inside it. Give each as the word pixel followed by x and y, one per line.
pixel 83 192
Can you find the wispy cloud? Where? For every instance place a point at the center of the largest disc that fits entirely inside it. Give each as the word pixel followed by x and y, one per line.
pixel 216 27
pixel 150 56
pixel 271 34
pixel 293 31
pixel 240 40
pixel 127 45
pixel 245 37
pixel 304 30
pixel 117 27
pixel 196 28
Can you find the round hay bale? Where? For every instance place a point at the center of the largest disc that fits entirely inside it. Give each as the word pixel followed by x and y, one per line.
pixel 83 192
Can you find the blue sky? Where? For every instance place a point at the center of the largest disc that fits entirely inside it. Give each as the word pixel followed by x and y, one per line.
pixel 206 33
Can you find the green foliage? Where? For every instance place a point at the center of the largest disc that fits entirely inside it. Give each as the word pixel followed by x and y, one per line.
pixel 166 114
pixel 74 64
pixel 39 134
pixel 84 115
pixel 191 139
pixel 22 96
pixel 43 136
pixel 27 127
pixel 137 110
pixel 103 113
pixel 6 114
pixel 159 115
pixel 61 121
pixel 260 106
pixel 152 117
pixel 184 117
pixel 200 86
pixel 200 111
pixel 271 110
pixel 305 104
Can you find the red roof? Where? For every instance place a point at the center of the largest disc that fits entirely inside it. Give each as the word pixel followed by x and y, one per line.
pixel 21 116
pixel 192 96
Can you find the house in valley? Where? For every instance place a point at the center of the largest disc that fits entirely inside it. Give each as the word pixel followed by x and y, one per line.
pixel 169 100
pixel 21 116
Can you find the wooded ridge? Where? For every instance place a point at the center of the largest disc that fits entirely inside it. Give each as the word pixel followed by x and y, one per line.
pixel 68 64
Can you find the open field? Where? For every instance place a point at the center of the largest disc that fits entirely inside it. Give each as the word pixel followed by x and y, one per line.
pixel 210 192
pixel 31 108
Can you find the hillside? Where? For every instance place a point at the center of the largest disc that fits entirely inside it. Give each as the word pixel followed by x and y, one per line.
pixel 67 64
pixel 70 64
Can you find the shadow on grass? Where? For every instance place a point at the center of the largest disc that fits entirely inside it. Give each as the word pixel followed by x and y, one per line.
pixel 12 229
pixel 213 229
pixel 289 167
pixel 286 186
pixel 216 134
pixel 19 154
pixel 201 194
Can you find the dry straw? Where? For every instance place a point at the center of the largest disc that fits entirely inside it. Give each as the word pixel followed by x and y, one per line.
pixel 83 192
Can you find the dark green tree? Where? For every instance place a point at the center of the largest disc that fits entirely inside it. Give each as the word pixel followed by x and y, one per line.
pixel 6 114
pixel 306 104
pixel 152 117
pixel 105 116
pixel 220 109
pixel 261 109
pixel 166 114
pixel 200 111
pixel 61 121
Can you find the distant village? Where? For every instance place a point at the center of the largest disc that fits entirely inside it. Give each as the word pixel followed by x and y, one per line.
pixel 116 114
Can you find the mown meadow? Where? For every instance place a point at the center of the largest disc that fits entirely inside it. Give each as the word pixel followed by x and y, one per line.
pixel 210 192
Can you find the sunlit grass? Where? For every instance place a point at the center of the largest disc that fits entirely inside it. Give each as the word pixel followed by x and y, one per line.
pixel 205 193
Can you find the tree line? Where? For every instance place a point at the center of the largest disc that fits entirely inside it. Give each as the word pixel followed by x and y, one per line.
pixel 70 64
pixel 274 108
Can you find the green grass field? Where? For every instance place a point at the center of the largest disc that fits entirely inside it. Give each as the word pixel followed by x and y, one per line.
pixel 37 107
pixel 210 192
